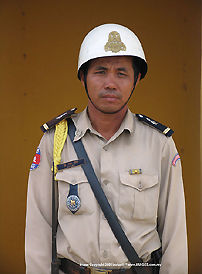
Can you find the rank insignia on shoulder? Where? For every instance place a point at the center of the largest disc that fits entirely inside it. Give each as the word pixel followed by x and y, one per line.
pixel 48 125
pixel 164 129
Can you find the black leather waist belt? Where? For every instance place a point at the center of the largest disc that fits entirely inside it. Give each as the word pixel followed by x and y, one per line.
pixel 70 267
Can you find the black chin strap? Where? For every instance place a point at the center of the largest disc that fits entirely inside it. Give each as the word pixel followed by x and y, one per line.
pixel 86 88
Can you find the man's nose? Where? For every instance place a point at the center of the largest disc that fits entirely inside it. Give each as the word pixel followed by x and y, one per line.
pixel 110 82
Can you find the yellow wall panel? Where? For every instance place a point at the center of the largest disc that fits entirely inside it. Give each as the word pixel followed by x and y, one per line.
pixel 39 47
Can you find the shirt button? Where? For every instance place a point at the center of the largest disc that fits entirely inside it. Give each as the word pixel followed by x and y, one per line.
pixel 78 133
pixel 140 186
pixel 105 254
pixel 105 148
pixel 105 182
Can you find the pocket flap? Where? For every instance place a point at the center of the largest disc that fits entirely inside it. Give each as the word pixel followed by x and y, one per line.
pixel 139 181
pixel 74 175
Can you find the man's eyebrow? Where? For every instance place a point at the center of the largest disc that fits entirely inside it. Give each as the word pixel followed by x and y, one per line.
pixel 122 69
pixel 104 68
pixel 100 68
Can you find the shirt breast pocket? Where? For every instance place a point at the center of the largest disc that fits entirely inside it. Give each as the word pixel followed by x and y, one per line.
pixel 74 176
pixel 138 196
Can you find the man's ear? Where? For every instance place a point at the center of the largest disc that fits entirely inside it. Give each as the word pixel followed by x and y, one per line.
pixel 82 78
pixel 138 78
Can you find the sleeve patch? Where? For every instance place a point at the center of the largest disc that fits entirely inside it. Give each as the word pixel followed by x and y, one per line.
pixel 175 159
pixel 36 160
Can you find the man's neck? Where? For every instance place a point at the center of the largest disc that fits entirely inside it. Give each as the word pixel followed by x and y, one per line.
pixel 106 124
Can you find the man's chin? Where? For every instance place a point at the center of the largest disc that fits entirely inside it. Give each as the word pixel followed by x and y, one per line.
pixel 111 110
pixel 107 108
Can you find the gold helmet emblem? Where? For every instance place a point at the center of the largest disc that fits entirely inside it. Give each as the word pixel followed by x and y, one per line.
pixel 114 43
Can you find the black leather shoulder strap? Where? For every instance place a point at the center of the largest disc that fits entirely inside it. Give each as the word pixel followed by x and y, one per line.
pixel 103 202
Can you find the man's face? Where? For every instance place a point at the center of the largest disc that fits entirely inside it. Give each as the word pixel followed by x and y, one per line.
pixel 110 81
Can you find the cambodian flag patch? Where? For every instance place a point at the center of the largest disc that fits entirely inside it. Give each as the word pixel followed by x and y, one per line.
pixel 36 160
pixel 175 159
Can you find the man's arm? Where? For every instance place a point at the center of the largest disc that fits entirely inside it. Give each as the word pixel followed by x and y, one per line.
pixel 38 219
pixel 171 214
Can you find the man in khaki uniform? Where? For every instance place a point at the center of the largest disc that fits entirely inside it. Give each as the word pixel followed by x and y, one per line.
pixel 135 160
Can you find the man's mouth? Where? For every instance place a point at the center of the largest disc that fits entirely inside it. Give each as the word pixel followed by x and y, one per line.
pixel 110 96
pixel 113 95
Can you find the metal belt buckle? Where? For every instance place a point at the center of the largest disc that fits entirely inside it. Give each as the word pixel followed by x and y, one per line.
pixel 99 271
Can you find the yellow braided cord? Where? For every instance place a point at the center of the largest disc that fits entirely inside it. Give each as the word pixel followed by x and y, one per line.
pixel 59 141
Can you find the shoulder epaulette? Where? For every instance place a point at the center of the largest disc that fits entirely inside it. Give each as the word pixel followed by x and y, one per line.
pixel 48 125
pixel 164 129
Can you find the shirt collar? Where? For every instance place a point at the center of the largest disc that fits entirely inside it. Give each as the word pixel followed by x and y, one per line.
pixel 83 124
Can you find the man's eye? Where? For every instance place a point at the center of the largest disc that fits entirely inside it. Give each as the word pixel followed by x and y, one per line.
pixel 100 72
pixel 121 74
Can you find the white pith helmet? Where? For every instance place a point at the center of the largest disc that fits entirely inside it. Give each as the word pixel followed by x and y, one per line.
pixel 111 40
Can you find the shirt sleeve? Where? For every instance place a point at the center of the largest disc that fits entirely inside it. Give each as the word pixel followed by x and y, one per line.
pixel 38 218
pixel 171 213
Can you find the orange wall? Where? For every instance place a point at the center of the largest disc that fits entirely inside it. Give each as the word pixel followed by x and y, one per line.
pixel 38 51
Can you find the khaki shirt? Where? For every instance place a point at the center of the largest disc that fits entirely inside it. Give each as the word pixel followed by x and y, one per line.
pixel 142 202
